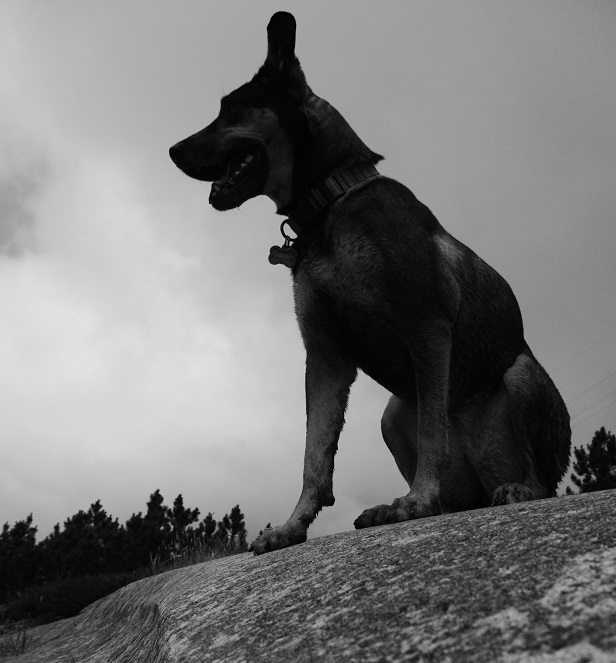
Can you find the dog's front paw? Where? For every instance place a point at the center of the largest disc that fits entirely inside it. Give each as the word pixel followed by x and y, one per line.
pixel 377 515
pixel 275 538
pixel 401 509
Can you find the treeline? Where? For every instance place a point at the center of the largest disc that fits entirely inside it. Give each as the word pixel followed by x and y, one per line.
pixel 92 543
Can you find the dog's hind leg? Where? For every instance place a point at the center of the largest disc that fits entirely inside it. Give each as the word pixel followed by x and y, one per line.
pixel 499 451
pixel 516 436
pixel 399 429
pixel 539 424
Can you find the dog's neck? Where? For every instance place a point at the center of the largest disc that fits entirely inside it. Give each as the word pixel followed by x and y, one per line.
pixel 325 193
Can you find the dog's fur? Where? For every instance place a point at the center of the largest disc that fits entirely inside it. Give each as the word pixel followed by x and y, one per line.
pixel 379 285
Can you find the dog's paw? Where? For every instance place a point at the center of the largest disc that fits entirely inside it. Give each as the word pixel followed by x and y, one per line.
pixel 401 509
pixel 511 493
pixel 275 538
pixel 377 515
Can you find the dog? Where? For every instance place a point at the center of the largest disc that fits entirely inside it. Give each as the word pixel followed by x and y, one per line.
pixel 379 285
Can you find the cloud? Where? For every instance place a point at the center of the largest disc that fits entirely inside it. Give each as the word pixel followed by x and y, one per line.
pixel 124 360
pixel 107 352
pixel 17 189
pixel 144 340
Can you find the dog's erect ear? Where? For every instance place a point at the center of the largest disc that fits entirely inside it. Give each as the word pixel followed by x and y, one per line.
pixel 281 72
pixel 281 40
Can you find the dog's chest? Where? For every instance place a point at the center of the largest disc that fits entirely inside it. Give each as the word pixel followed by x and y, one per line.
pixel 350 310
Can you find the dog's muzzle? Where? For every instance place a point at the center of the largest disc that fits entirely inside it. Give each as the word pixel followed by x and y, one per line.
pixel 237 174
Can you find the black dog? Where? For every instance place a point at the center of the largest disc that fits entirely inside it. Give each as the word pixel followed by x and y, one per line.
pixel 379 285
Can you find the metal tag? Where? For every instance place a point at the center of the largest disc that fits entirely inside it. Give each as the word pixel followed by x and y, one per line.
pixel 283 255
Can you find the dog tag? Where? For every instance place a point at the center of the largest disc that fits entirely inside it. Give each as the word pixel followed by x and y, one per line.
pixel 283 255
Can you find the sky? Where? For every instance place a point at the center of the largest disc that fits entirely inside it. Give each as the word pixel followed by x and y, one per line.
pixel 145 340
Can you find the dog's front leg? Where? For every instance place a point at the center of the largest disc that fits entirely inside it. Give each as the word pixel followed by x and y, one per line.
pixel 328 381
pixel 431 352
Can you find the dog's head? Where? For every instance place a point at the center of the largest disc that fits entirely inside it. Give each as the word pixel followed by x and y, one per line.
pixel 273 135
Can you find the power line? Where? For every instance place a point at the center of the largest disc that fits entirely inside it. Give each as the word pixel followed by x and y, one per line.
pixel 578 423
pixel 577 414
pixel 367 476
pixel 591 388
pixel 579 354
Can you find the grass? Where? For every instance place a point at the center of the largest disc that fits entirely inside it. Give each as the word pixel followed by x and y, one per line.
pixel 14 638
pixel 176 555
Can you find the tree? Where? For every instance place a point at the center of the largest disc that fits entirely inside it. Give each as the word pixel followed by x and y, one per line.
pixel 238 529
pixel 181 517
pixel 156 526
pixel 207 527
pixel 18 559
pixel 224 530
pixel 147 535
pixel 596 467
pixel 136 553
pixel 90 543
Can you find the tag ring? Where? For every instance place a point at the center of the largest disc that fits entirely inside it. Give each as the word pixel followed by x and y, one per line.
pixel 288 238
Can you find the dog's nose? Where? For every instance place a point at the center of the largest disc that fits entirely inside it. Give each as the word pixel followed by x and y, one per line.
pixel 175 151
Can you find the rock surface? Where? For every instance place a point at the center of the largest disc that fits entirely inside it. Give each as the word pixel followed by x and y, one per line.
pixel 533 582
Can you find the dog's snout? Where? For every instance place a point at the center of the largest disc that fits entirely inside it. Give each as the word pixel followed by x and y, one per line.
pixel 175 152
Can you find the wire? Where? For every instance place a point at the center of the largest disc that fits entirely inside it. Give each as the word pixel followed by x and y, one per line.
pixel 594 413
pixel 579 354
pixel 590 388
pixel 577 414
pixel 367 476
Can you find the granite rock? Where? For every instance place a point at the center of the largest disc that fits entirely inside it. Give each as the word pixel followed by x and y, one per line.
pixel 532 582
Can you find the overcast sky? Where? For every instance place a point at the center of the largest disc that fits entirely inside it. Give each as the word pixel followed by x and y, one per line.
pixel 145 340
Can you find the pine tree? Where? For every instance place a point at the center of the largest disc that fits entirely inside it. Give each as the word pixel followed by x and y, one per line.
pixel 223 532
pixel 90 543
pixel 18 556
pixel 156 525
pixel 238 529
pixel 207 528
pixel 147 535
pixel 596 468
pixel 181 517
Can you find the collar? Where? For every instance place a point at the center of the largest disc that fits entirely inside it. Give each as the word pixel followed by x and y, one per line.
pixel 322 195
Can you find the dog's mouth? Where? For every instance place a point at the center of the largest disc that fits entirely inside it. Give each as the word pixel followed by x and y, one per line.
pixel 242 177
